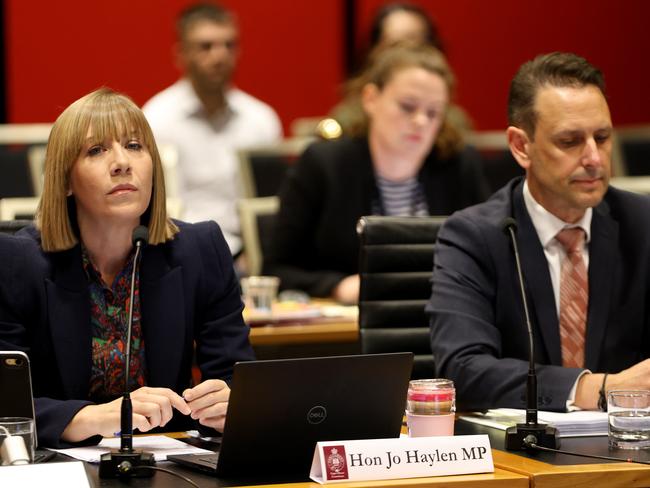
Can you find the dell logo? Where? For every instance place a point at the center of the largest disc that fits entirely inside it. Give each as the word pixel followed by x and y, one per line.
pixel 316 414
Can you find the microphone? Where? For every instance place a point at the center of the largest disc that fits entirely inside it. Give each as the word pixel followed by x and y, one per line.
pixel 124 462
pixel 531 434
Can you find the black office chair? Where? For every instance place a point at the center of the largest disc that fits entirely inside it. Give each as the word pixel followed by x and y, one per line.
pixel 257 218
pixel 263 168
pixel 634 146
pixel 13 226
pixel 499 166
pixel 395 266
pixel 16 178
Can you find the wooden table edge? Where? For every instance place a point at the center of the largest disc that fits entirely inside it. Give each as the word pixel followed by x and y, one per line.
pixel 497 479
pixel 544 474
pixel 304 333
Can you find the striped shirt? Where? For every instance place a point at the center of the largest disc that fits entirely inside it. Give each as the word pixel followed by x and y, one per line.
pixel 403 198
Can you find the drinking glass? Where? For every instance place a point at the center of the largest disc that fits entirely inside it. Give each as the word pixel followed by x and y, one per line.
pixel 628 412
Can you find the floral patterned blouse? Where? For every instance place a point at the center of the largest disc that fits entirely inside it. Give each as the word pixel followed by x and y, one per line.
pixel 109 315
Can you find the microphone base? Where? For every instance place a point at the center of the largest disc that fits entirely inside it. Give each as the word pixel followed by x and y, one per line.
pixel 118 464
pixel 519 436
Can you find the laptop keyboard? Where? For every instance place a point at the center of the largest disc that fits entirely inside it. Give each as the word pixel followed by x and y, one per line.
pixel 210 459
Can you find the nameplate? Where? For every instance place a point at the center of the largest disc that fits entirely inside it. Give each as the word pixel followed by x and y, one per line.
pixel 48 474
pixel 383 459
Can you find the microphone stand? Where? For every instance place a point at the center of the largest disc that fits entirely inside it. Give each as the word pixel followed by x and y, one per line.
pixel 123 463
pixel 531 433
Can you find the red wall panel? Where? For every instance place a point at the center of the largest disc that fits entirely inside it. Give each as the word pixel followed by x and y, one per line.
pixel 486 41
pixel 58 51
pixel 292 50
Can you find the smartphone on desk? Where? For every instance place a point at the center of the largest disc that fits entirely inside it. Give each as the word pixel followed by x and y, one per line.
pixel 16 387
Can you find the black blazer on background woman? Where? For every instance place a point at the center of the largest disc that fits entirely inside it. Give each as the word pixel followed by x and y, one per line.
pixel 332 185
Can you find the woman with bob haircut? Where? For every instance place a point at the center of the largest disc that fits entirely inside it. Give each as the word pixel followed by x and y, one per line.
pixel 65 286
pixel 402 156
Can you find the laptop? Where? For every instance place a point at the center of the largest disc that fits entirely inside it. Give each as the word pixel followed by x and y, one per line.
pixel 279 409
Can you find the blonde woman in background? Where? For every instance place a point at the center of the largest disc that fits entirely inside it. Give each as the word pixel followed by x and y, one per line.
pixel 402 156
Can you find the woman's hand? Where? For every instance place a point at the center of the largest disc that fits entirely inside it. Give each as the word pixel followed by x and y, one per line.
pixel 152 407
pixel 208 402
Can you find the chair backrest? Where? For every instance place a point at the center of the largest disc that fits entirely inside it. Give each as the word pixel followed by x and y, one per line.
pixel 262 168
pixel 256 216
pixel 632 145
pixel 20 166
pixel 636 184
pixel 323 127
pixel 16 178
pixel 13 226
pixel 169 158
pixel 304 126
pixel 499 166
pixel 25 208
pixel 36 160
pixel 24 134
pixel 395 266
pixel 18 208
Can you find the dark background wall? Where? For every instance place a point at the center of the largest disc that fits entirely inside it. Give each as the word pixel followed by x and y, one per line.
pixel 293 54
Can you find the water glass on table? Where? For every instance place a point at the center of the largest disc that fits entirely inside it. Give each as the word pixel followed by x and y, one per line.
pixel 259 292
pixel 16 440
pixel 628 412
pixel 430 407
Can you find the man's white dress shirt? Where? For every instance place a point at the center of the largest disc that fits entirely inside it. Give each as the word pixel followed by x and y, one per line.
pixel 208 169
pixel 547 226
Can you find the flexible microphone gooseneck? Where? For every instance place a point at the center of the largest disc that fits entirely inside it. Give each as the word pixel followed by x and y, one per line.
pixel 123 462
pixel 530 434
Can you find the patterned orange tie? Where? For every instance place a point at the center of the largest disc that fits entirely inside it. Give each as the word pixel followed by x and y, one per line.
pixel 574 297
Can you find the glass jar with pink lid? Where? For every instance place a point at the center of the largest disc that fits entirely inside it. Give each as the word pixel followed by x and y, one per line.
pixel 430 407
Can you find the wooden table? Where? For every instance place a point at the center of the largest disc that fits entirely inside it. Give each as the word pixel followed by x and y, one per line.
pixel 322 336
pixel 547 470
pixel 500 478
pixel 546 475
pixel 324 330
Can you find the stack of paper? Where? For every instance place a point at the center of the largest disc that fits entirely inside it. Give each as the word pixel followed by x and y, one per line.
pixel 160 445
pixel 293 312
pixel 571 424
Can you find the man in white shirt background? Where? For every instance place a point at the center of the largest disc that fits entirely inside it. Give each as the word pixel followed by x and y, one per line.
pixel 208 120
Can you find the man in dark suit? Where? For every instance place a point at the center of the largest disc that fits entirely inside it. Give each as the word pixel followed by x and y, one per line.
pixel 588 299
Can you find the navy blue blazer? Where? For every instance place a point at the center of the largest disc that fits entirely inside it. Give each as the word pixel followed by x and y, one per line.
pixel 189 295
pixel 478 332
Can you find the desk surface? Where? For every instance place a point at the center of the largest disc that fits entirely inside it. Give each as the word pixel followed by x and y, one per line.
pixel 322 331
pixel 546 475
pixel 330 330
pixel 511 470
pixel 500 478
pixel 563 471
pixel 504 478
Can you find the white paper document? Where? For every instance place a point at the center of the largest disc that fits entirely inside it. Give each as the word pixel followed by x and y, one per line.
pixel 161 446
pixel 52 475
pixel 570 424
